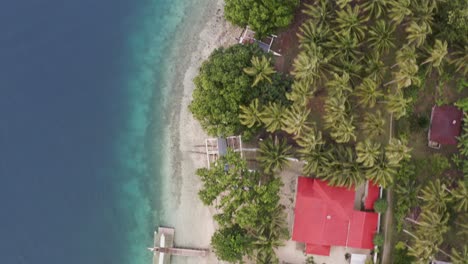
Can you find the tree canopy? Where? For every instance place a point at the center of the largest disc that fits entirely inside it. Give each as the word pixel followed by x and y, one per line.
pixel 262 16
pixel 222 86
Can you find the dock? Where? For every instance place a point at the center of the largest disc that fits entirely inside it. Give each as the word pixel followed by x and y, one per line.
pixel 163 247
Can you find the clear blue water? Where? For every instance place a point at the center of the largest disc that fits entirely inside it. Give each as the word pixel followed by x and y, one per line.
pixel 80 105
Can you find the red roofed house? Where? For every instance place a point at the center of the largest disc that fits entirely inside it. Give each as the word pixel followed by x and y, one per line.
pixel 325 217
pixel 445 126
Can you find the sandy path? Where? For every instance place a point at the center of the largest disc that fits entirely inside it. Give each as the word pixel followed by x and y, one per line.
pixel 184 211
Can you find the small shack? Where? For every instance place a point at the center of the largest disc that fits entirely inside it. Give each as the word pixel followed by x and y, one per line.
pixel 217 147
pixel 445 126
pixel 248 37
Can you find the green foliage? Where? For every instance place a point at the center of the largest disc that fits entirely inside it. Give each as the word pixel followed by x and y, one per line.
pixel 367 152
pixel 373 124
pixel 231 243
pixel 452 21
pixel 380 206
pixel 274 155
pixel 405 192
pixel 379 239
pixel 462 104
pixel 400 254
pixel 310 260
pixel 264 17
pixel 222 86
pixel 261 70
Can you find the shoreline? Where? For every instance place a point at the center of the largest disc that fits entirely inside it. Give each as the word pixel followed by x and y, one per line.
pixel 182 209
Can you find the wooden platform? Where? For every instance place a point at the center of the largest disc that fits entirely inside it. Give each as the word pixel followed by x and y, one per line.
pixel 163 247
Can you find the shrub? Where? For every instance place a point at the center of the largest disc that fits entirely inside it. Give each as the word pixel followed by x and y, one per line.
pixel 400 254
pixel 380 206
pixel 379 239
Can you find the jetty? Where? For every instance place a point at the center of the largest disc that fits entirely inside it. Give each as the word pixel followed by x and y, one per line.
pixel 163 247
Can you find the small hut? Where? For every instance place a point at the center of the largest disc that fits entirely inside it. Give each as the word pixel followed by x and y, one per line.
pixel 445 126
pixel 248 37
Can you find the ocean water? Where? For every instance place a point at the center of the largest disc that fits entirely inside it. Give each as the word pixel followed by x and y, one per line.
pixel 83 98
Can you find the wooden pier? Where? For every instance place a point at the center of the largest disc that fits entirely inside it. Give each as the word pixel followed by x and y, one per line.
pixel 163 247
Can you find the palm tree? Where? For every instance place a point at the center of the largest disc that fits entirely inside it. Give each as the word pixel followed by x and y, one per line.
pixel 339 85
pixel 373 124
pixel 407 75
pixel 417 33
pixel 399 9
pixel 343 170
pixel 460 257
pixel 431 221
pixel 310 139
pixel 424 12
pixel 344 131
pixel 397 104
pixel 368 92
pixel 312 33
pixel 250 115
pixel 335 111
pixel 460 59
pixel 397 151
pixel 381 36
pixel 460 195
pixel 424 247
pixel 375 67
pixel 309 64
pixel 435 196
pixel 437 54
pixel 367 152
pixel 301 93
pixel 261 70
pixel 343 3
pixel 346 46
pixel 375 8
pixel 319 12
pixel 349 20
pixel 272 116
pixel 381 173
pixel 316 160
pixel 295 120
pixel 406 54
pixel 273 155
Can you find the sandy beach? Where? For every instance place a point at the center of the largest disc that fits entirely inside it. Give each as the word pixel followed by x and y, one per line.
pixel 183 210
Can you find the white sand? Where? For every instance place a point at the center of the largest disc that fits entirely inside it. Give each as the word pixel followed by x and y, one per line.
pixel 183 210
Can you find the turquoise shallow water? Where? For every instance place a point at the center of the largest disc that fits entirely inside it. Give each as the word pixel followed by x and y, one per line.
pixel 84 95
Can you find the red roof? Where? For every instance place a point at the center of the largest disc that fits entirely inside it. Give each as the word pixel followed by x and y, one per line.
pixel 325 216
pixel 373 193
pixel 317 249
pixel 445 124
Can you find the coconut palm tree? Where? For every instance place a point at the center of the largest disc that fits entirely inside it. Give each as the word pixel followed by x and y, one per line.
pixel 343 131
pixel 250 115
pixel 430 221
pixel 272 116
pixel 375 68
pixel 335 111
pixel 375 8
pixel 295 120
pixel 343 170
pixel 381 173
pixel 423 11
pixel 339 86
pixel 261 70
pixel 367 152
pixel 399 9
pixel 346 46
pixel 309 64
pixel 437 54
pixel 396 151
pixel 407 75
pixel 417 33
pixel 435 196
pixel 301 93
pixel 312 33
pixel 373 124
pixel 273 155
pixel 320 12
pixel 368 92
pixel 406 53
pixel 350 20
pixel 424 247
pixel 460 257
pixel 310 139
pixel 460 196
pixel 382 36
pixel 349 66
pixel 343 3
pixel 397 104
pixel 316 160
pixel 460 59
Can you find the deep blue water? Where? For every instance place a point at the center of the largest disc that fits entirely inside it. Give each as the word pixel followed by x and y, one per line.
pixel 76 85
